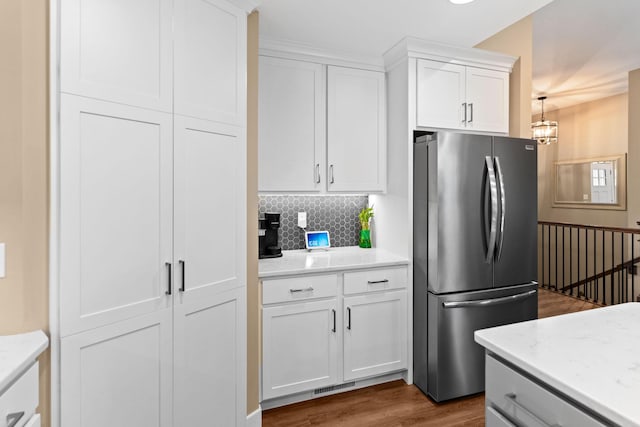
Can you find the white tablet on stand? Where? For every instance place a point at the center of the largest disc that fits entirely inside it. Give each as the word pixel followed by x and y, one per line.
pixel 317 240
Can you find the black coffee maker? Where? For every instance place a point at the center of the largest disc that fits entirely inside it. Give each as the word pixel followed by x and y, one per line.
pixel 268 236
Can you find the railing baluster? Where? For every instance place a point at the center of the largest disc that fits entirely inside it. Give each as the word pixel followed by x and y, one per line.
pixel 594 294
pixel 542 255
pixel 555 255
pixel 613 252
pixel 604 279
pixel 578 271
pixel 633 267
pixel 585 294
pixel 564 265
pixel 549 256
pixel 623 271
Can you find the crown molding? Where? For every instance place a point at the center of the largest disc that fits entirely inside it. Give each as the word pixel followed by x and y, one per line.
pixel 305 52
pixel 423 49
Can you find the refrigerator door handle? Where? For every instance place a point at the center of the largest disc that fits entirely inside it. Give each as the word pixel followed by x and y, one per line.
pixel 494 209
pixel 488 302
pixel 503 206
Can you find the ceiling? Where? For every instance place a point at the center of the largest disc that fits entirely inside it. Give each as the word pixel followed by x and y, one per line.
pixel 583 50
pixel 371 27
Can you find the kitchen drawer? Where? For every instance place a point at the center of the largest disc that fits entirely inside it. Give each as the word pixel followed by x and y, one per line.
pixel 377 279
pixel 525 403
pixel 21 397
pixel 493 418
pixel 299 288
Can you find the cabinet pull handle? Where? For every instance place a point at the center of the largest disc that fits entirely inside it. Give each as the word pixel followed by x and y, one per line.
pixel 331 174
pixel 349 318
pixel 464 108
pixel 334 320
pixel 309 289
pixel 471 115
pixel 511 397
pixel 12 419
pixel 373 282
pixel 317 173
pixel 182 268
pixel 168 265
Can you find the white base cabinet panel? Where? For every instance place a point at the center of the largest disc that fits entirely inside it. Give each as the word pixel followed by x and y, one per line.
pixel 209 364
pixel 375 334
pixel 300 347
pixel 119 374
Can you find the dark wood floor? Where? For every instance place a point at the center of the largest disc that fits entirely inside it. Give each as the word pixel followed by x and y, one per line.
pixel 397 404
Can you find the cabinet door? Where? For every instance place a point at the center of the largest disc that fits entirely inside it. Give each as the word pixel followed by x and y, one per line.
pixel 115 212
pixel 34 421
pixel 375 334
pixel 487 100
pixel 441 95
pixel 118 375
pixel 210 60
pixel 210 362
pixel 299 347
pixel 291 126
pixel 356 131
pixel 118 50
pixel 210 224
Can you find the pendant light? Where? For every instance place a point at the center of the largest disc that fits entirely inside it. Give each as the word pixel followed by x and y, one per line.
pixel 544 131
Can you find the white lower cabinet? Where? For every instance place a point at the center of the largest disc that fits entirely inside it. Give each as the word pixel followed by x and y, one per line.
pixel 308 344
pixel 514 400
pixel 119 374
pixel 375 334
pixel 300 347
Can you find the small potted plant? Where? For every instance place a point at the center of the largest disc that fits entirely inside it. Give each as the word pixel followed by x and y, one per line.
pixel 365 216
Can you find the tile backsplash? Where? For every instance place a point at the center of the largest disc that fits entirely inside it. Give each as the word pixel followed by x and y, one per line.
pixel 338 214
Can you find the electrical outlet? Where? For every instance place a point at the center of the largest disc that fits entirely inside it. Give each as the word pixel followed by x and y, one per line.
pixel 2 261
pixel 302 219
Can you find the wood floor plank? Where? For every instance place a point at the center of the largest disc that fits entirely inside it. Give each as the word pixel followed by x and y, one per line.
pixel 396 404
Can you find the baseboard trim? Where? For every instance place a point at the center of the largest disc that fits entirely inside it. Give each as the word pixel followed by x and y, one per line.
pixel 309 395
pixel 254 419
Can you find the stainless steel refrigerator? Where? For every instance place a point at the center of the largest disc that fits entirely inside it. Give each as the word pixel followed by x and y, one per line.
pixel 474 252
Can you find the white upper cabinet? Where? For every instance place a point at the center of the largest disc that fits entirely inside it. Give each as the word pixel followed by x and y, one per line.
pixel 116 197
pixel 456 96
pixel 441 95
pixel 291 125
pixel 210 60
pixel 321 128
pixel 356 130
pixel 488 100
pixel 118 50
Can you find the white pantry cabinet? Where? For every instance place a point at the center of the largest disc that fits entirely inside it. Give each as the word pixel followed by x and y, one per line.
pixel 291 125
pixel 463 97
pixel 322 128
pixel 210 60
pixel 118 50
pixel 356 130
pixel 153 214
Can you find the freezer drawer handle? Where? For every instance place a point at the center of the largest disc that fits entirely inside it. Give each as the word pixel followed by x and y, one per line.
pixel 373 282
pixel 511 397
pixel 485 302
pixel 309 289
pixel 13 419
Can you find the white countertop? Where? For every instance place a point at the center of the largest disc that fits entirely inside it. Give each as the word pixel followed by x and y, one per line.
pixel 318 261
pixel 17 353
pixel 592 356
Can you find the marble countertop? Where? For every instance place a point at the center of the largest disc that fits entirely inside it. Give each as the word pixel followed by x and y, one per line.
pixel 17 353
pixel 592 356
pixel 335 259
